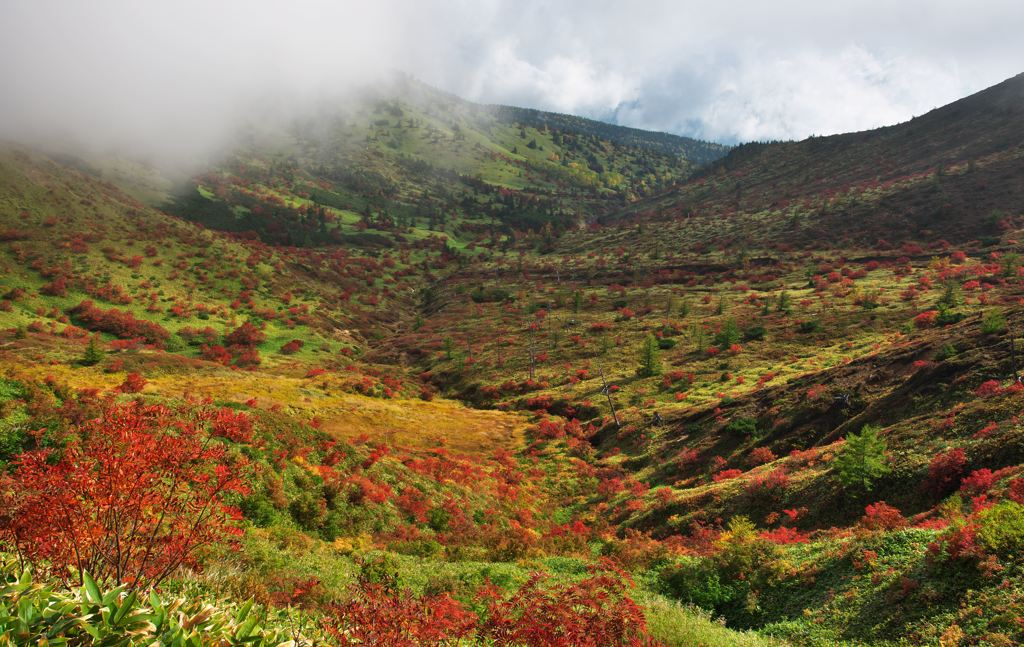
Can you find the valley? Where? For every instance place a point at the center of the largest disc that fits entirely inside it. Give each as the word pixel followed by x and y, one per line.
pixel 488 375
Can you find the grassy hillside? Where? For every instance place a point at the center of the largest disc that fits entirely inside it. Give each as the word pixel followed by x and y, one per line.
pixel 529 397
pixel 410 162
pixel 953 174
pixel 352 468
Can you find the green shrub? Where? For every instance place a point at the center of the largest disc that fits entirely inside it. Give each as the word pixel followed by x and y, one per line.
pixel 809 326
pixel 951 297
pixel 258 509
pixel 34 612
pixel 948 317
pixel 10 390
pixel 418 547
pixel 696 581
pixel 741 425
pixel 489 295
pixel 754 333
pixel 307 510
pixel 438 519
pixel 993 322
pixel 947 351
pixel 784 304
pixel 1001 528
pixel 93 355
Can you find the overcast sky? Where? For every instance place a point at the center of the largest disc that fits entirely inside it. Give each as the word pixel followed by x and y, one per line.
pixel 176 74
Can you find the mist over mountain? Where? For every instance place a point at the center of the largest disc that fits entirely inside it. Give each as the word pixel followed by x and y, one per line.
pixel 173 81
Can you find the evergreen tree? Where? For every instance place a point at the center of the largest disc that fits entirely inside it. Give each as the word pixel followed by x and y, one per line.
pixel 729 335
pixel 993 323
pixel 650 364
pixel 951 297
pixel 862 460
pixel 785 305
pixel 93 354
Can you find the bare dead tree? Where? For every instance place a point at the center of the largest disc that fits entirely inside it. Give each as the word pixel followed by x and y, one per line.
pixel 532 349
pixel 606 390
pixel 1013 355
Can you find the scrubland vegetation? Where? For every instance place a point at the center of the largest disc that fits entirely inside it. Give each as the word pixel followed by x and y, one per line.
pixel 428 373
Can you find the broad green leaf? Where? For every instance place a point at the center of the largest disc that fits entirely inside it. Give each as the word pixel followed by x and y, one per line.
pixel 91 590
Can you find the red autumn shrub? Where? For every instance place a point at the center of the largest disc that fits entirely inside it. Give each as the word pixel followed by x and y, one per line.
pixel 379 614
pixel 215 353
pixel 959 542
pixel 233 425
pixel 944 472
pixel 414 503
pixel 772 485
pixel 785 535
pixel 1015 490
pixel 816 392
pixel 592 613
pixel 988 389
pixel 366 490
pixel 882 516
pixel 137 463
pixel 292 347
pixel 8 235
pixel 378 452
pixel 760 456
pixel 609 487
pixel 725 475
pixel 133 383
pixel 926 319
pixel 296 592
pixel 248 358
pixel 55 288
pixel 246 335
pixel 119 323
pixel 978 482
pixel 986 430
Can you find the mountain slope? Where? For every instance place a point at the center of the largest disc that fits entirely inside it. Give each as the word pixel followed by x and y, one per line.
pixel 952 173
pixel 407 161
pixel 697 152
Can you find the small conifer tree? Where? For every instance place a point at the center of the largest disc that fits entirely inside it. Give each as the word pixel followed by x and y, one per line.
pixel 862 459
pixel 650 364
pixel 93 354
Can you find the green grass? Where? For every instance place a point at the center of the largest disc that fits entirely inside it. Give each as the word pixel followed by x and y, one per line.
pixel 678 625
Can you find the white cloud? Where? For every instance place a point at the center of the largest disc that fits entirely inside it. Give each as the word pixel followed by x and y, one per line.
pixel 818 92
pixel 562 83
pixel 173 77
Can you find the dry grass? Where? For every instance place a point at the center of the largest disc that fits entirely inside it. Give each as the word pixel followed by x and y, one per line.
pixel 404 422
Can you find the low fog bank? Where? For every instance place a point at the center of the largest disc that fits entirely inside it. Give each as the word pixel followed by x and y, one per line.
pixel 172 82
pixel 176 85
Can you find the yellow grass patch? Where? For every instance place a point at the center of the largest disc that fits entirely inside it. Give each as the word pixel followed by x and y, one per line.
pixel 411 423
